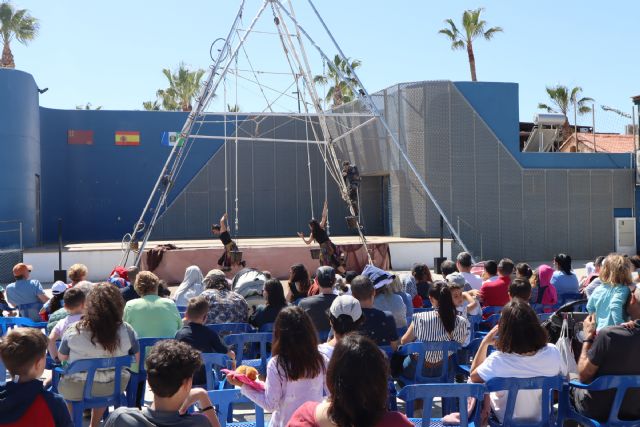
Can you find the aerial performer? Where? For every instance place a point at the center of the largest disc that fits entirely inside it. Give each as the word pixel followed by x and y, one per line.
pixel 352 180
pixel 226 261
pixel 329 254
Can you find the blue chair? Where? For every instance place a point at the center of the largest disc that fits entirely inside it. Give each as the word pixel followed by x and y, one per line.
pixel 466 357
pixel 23 309
pixel 141 375
pixel 422 310
pixel 421 349
pixel 427 392
pixel 3 373
pixel 546 384
pixel 240 340
pixel 230 328
pixel 267 327
pixel 181 309
pixel 323 336
pixel 90 366
pixel 401 331
pixel 567 298
pixel 474 324
pixel 7 323
pixel 224 400
pixel 213 362
pixel 607 382
pixel 544 316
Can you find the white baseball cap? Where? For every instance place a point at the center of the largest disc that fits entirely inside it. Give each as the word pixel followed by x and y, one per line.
pixel 346 304
pixel 58 287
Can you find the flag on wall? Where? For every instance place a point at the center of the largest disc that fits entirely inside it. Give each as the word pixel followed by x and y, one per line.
pixel 81 137
pixel 172 138
pixel 127 137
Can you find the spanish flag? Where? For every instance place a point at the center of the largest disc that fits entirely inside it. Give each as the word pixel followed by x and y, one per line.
pixel 127 138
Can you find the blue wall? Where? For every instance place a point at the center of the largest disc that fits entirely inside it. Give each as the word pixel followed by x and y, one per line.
pixel 497 104
pixel 20 154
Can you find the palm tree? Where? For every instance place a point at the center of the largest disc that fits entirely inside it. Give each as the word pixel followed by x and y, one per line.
pixel 473 27
pixel 16 24
pixel 233 108
pixel 563 99
pixel 151 105
pixel 340 91
pixel 183 87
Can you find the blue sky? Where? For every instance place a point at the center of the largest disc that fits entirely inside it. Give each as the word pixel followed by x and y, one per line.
pixel 111 53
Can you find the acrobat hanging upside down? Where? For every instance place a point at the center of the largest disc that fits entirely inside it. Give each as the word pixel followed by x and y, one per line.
pixel 226 261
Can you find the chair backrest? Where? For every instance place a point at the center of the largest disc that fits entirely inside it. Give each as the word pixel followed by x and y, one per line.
pixel 620 384
pixel 474 324
pixel 491 321
pixel 323 336
pixel 421 348
pixel 267 327
pixel 145 343
pixel 181 309
pixel 90 366
pixel 224 399
pixel 239 341
pixel 229 328
pixel 24 309
pixel 427 392
pixel 7 323
pixel 512 385
pixel 491 309
pixel 422 310
pixel 572 297
pixel 213 362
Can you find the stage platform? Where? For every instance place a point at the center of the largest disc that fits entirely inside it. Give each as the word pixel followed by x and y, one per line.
pixel 275 254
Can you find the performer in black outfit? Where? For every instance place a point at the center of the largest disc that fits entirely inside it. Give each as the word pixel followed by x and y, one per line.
pixel 329 253
pixel 222 232
pixel 352 179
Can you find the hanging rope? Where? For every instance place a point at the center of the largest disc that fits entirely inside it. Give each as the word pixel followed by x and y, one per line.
pixel 226 162
pixel 236 159
pixel 306 130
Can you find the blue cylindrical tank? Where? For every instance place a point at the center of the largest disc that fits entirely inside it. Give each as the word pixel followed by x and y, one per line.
pixel 20 154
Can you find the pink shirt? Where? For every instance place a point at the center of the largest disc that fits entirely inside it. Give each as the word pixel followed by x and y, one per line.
pixel 305 416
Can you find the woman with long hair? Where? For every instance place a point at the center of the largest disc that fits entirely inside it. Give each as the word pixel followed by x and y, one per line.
pixel 329 253
pixel 274 295
pixel 564 279
pixel 296 371
pixel 101 333
pixel 608 301
pixel 299 282
pixel 522 351
pixel 190 287
pixel 441 324
pixel 357 382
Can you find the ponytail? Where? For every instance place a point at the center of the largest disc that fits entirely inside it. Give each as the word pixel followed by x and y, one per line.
pixel 446 309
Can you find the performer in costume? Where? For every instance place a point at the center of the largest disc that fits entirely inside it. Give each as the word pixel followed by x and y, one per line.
pixel 352 180
pixel 222 232
pixel 329 254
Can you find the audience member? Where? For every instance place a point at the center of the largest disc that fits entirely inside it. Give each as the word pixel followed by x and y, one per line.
pixel 129 291
pixel 345 287
pixel 593 280
pixel 465 303
pixel 441 324
pixel 56 302
pixel 495 292
pixel 273 293
pixel 119 277
pixel 397 288
pixel 225 306
pixel 524 271
pixel 23 400
pixel 520 288
pixel 522 351
pixel 464 264
pixel 77 273
pixel 190 287
pixel 542 291
pixel 563 279
pixel 635 270
pixel 101 333
pixel 448 267
pixel 150 315
pixel 612 351
pixel 418 284
pixel 74 299
pixel 299 283
pixel 345 315
pixel 358 393
pixel 170 367
pixel 267 275
pixel 490 271
pixel 592 273
pixel 26 292
pixel 197 335
pixel 608 300
pixel 296 371
pixel 316 306
pixel 385 300
pixel 378 325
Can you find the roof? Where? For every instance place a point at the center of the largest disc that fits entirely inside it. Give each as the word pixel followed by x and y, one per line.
pixel 605 143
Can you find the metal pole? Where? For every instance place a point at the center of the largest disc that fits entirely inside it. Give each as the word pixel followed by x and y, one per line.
pixel 575 123
pixel 441 237
pixel 20 231
pixel 59 243
pixel 593 125
pixel 633 125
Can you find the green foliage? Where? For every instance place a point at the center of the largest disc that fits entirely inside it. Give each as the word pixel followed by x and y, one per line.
pixel 184 86
pixel 340 91
pixel 18 25
pixel 562 100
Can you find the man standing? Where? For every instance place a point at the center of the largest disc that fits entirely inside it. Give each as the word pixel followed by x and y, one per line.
pixel 378 325
pixel 26 292
pixel 463 262
pixel 316 306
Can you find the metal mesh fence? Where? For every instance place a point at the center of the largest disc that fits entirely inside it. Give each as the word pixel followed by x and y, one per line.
pixel 8 258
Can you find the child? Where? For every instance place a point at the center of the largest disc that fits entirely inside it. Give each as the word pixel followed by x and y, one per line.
pixel 24 401
pixel 170 368
pixel 56 302
pixel 608 300
pixel 74 304
pixel 520 288
pixel 4 305
pixel 198 336
pixel 222 232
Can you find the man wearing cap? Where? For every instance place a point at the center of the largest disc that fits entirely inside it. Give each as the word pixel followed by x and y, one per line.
pixel 316 306
pixel 378 325
pixel 345 316
pixel 26 292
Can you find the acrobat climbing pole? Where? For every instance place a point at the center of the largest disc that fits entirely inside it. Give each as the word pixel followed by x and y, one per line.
pixel 326 141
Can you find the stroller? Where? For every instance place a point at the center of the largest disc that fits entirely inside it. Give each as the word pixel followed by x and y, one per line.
pixel 249 283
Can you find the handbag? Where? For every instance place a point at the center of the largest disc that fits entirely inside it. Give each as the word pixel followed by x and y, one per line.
pixel 564 345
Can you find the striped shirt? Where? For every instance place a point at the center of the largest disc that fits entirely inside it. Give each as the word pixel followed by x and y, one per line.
pixel 427 326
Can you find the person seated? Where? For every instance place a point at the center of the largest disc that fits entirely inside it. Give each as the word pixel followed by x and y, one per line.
pixel 523 271
pixel 441 324
pixel 170 367
pixel 56 302
pixel 74 299
pixel 608 300
pixel 129 291
pixel 612 351
pixel 150 315
pixel 490 271
pixel 398 289
pixel 378 325
pixel 542 291
pixel 465 303
pixel 77 273
pixel 23 400
pixel 345 316
pixel 564 279
pixel 225 305
pixel 593 280
pixel 358 390
pixel 522 351
pixel 418 284
pixel 190 287
pixel 448 267
pixel 299 283
pixel 316 306
pixel 464 264
pixel 119 277
pixel 495 291
pixel 273 293
pixel 385 300
pixel 520 288
pixel 25 291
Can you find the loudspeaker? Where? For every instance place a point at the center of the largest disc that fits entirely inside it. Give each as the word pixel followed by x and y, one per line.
pixel 60 275
pixel 437 263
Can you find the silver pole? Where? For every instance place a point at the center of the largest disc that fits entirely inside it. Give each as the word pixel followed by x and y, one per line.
pixel 20 232
pixel 593 125
pixel 575 123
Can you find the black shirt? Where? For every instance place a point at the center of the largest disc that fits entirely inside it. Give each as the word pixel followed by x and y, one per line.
pixel 423 290
pixel 321 236
pixel 204 339
pixel 316 307
pixel 379 326
pixel 129 293
pixel 264 314
pixel 225 238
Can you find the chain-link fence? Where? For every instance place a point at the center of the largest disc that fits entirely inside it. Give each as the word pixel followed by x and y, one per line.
pixel 11 248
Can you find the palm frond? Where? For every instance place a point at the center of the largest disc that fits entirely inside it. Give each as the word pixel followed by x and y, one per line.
pixel 488 35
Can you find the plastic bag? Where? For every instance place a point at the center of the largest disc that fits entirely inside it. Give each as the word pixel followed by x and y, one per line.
pixel 569 365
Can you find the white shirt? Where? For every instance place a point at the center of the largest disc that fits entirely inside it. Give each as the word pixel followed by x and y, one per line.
pixel 545 363
pixel 474 281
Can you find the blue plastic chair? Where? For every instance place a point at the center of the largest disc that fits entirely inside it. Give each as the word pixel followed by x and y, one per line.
pixel 181 309
pixel 224 400
pixel 213 362
pixel 90 366
pixel 267 327
pixel 469 352
pixel 427 392
pixel 23 309
pixel 141 375
pixel 607 382
pixel 238 341
pixel 230 328
pixel 567 298
pixel 323 336
pixel 7 323
pixel 422 310
pixel 546 384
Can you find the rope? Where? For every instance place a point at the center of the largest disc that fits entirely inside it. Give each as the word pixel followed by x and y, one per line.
pixel 306 130
pixel 226 163
pixel 236 160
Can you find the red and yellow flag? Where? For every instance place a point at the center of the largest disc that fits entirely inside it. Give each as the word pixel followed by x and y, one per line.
pixel 124 137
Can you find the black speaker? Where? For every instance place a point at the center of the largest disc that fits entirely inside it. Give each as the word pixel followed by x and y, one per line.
pixel 437 264
pixel 60 275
